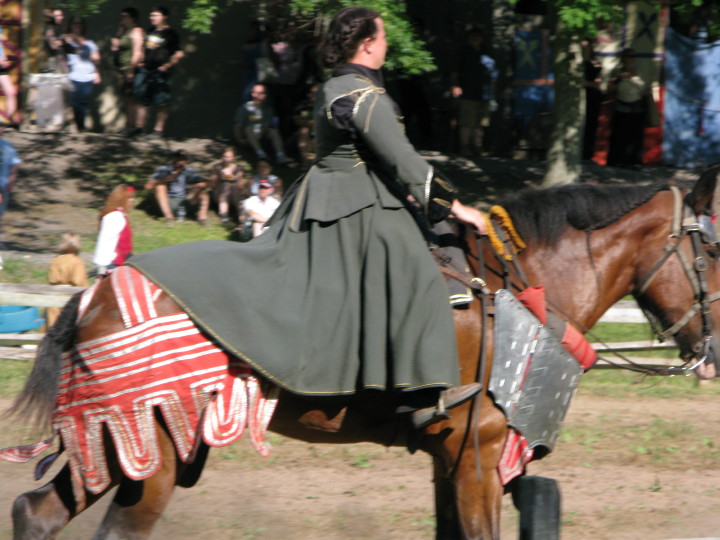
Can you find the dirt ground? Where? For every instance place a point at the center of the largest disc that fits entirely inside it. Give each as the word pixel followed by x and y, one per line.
pixel 611 489
pixel 328 492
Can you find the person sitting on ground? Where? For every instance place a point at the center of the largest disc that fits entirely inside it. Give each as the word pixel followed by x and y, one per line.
pixel 176 185
pixel 264 174
pixel 114 243
pixel 255 122
pixel 229 184
pixel 260 208
pixel 66 269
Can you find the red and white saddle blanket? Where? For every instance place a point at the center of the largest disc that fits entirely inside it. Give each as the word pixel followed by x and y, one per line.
pixel 118 380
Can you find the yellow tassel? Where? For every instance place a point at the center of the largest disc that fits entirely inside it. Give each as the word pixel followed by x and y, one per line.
pixel 495 242
pixel 502 216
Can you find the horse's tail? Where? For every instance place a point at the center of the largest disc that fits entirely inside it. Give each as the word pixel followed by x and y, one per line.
pixel 37 399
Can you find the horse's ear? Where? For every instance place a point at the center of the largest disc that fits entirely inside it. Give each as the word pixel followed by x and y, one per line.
pixel 703 197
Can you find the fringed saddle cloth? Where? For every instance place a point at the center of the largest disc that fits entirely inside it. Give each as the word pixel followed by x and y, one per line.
pixel 155 362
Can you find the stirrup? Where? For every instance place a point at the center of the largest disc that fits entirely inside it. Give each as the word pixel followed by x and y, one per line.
pixel 450 398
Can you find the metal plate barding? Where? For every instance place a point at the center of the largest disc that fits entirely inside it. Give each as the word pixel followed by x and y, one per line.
pixel 533 377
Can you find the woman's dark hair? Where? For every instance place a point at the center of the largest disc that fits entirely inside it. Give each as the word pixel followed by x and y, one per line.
pixel 347 29
pixel 132 13
pixel 80 21
pixel 161 9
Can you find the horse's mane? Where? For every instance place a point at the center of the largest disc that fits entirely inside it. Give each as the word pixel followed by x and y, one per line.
pixel 541 216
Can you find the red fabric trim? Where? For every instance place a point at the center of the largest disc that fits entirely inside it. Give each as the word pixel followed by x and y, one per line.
pixel 574 342
pixel 515 456
pixel 124 247
pixel 118 380
pixel 577 345
pixel 533 298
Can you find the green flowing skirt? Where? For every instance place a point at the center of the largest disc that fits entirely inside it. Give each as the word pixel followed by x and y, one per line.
pixel 337 307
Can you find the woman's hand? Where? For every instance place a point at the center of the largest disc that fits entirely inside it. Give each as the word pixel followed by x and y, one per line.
pixel 470 216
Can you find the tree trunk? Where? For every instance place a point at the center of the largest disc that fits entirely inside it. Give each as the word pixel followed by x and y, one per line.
pixel 565 153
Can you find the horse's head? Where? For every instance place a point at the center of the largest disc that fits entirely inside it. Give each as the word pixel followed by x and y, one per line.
pixel 679 288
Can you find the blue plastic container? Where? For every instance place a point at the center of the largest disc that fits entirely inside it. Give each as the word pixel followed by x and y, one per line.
pixel 16 319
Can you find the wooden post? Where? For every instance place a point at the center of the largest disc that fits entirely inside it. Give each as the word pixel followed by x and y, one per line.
pixel 538 500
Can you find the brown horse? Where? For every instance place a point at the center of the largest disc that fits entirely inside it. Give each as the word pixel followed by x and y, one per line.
pixel 588 245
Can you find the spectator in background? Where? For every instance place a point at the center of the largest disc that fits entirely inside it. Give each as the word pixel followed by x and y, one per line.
pixel 83 58
pixel 264 174
pixel 66 269
pixel 152 82
pixel 593 98
pixel 175 185
pixel 127 48
pixel 473 83
pixel 229 185
pixel 629 97
pixel 9 161
pixel 255 122
pixel 6 84
pixel 114 243
pixel 251 50
pixel 305 126
pixel 52 37
pixel 286 92
pixel 259 208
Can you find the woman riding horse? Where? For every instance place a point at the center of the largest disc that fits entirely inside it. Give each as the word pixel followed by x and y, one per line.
pixel 340 294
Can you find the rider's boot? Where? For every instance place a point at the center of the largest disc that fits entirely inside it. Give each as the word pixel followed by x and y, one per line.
pixel 452 397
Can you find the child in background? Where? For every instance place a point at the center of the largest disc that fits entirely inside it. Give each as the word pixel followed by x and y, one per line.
pixel 114 243
pixel 66 269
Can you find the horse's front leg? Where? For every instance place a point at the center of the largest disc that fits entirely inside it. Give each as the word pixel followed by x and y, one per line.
pixel 138 504
pixel 468 501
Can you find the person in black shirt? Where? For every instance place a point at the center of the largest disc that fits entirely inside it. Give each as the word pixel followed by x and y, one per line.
pixel 152 83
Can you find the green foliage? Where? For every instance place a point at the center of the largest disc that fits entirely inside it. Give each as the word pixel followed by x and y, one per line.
pixel 580 17
pixel 83 8
pixel 200 16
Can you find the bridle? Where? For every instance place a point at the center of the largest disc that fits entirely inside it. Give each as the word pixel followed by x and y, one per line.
pixel 685 223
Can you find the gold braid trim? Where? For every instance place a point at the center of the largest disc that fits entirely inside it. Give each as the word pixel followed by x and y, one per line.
pixel 502 216
pixel 495 241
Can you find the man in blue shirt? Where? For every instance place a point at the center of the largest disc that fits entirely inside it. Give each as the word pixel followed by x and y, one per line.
pixel 175 185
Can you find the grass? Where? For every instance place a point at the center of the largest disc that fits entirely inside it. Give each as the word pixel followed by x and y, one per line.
pixel 12 376
pixel 606 332
pixel 149 233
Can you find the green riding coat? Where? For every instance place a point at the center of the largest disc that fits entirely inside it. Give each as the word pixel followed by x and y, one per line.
pixel 340 293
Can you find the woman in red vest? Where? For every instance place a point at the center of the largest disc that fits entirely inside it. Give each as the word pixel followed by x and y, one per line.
pixel 114 243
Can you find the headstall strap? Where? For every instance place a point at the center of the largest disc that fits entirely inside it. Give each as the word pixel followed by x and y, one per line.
pixel 685 223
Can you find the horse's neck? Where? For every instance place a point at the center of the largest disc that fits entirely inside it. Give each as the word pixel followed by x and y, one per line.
pixel 577 285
